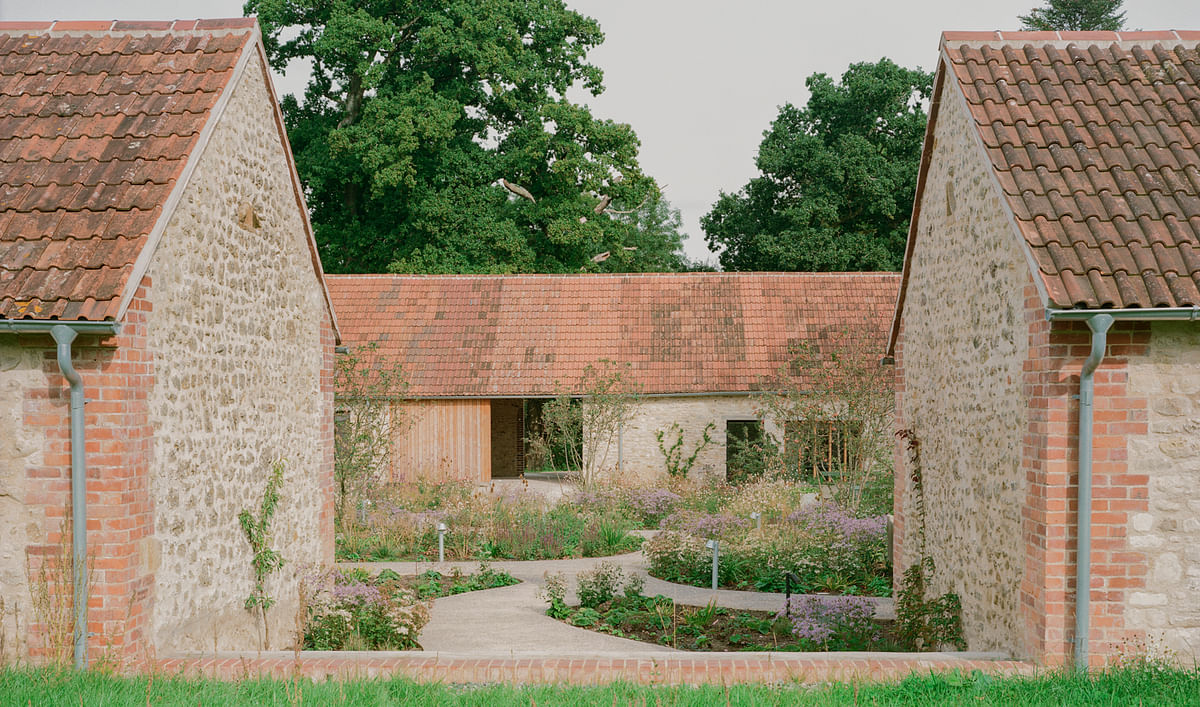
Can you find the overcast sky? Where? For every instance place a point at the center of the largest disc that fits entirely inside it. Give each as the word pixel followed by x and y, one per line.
pixel 700 80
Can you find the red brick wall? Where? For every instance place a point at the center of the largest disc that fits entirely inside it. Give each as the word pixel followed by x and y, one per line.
pixel 117 374
pixel 1050 460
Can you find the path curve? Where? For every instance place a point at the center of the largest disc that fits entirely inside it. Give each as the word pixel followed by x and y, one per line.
pixel 512 620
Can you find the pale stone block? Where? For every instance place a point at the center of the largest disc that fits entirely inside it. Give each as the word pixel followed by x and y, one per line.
pixel 1147 599
pixel 1145 542
pixel 1172 405
pixel 1177 448
pixel 1167 570
pixel 1142 522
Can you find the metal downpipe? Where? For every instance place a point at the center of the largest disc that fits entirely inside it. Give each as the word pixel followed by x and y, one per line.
pixel 63 336
pixel 1099 324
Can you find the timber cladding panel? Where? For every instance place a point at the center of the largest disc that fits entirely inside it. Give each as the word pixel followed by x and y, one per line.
pixel 442 439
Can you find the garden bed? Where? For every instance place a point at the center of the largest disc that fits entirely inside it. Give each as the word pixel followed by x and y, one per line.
pixel 610 602
pixel 353 610
pixel 820 548
pixel 661 621
pixel 402 525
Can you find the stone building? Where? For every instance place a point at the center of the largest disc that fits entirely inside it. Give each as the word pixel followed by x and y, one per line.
pixel 165 336
pixel 1047 343
pixel 482 352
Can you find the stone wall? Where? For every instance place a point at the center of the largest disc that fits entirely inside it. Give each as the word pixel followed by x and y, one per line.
pixel 21 447
pixel 963 344
pixel 235 333
pixel 639 453
pixel 1167 533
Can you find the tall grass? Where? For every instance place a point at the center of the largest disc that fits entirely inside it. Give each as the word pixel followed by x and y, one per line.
pixel 1135 685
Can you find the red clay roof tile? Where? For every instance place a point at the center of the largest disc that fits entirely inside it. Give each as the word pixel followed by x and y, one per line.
pixel 527 335
pixel 98 121
pixel 1094 139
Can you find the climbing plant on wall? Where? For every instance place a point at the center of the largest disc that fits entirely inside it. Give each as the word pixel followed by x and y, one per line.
pixel 265 560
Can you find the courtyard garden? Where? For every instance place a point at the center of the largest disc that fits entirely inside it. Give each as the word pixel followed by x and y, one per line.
pixel 767 530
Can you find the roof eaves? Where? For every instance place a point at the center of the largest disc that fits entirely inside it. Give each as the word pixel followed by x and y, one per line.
pixel 181 184
pixel 94 27
pixel 1017 231
pixel 945 66
pixel 926 157
pixel 297 188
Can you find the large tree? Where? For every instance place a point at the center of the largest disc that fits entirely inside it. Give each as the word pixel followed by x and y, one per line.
pixel 1075 15
pixel 838 177
pixel 436 136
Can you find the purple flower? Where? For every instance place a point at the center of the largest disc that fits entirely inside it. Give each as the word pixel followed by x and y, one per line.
pixel 707 525
pixel 817 620
pixel 590 498
pixel 652 503
pixel 356 593
pixel 828 519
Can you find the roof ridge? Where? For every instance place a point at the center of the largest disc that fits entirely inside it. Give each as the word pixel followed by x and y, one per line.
pixel 1132 38
pixel 198 26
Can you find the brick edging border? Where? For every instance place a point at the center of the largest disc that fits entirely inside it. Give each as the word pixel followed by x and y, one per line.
pixel 581 671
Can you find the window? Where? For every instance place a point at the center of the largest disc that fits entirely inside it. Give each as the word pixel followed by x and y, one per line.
pixel 821 449
pixel 744 453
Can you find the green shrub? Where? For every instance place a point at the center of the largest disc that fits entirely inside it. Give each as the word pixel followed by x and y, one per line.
pixel 824 548
pixel 346 613
pixel 599 584
pixel 554 591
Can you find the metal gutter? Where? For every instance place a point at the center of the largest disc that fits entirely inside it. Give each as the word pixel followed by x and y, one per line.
pixel 1190 314
pixel 45 326
pixel 64 333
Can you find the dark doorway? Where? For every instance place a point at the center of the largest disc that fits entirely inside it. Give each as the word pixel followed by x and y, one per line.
pixel 508 438
pixel 744 453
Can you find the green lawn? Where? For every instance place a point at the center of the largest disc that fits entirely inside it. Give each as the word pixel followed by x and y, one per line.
pixel 1129 686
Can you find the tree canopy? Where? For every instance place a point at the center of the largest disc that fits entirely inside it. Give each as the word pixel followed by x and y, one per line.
pixel 838 177
pixel 436 136
pixel 1075 15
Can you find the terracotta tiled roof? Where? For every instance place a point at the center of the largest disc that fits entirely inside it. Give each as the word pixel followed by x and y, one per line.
pixel 520 335
pixel 1094 139
pixel 97 120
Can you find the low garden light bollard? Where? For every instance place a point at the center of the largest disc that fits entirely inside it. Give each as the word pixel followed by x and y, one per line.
pixel 715 546
pixel 441 542
pixel 788 578
pixel 757 518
